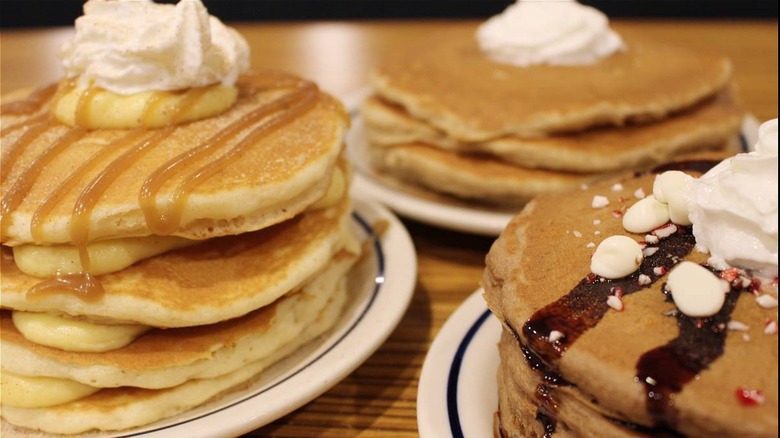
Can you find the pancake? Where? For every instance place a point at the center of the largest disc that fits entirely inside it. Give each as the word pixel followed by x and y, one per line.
pixel 592 379
pixel 449 84
pixel 219 279
pixel 286 132
pixel 471 177
pixel 161 358
pixel 707 125
pixel 304 316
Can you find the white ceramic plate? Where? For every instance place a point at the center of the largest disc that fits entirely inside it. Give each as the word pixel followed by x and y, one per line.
pixel 432 211
pixel 382 286
pixel 457 394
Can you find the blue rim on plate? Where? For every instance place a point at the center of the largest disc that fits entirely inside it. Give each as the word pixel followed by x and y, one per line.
pixel 454 374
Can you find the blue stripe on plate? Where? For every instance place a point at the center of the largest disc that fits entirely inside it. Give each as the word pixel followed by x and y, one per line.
pixel 452 379
pixel 378 281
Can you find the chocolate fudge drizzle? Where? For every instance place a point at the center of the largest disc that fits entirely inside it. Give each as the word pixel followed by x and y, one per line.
pixel 664 370
pixel 667 369
pixel 162 218
pixel 582 308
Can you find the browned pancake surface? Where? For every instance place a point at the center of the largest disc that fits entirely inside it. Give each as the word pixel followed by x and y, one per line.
pixel 543 254
pixel 448 82
pixel 269 177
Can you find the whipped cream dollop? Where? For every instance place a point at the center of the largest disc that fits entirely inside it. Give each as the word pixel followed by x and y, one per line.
pixel 130 46
pixel 554 32
pixel 733 208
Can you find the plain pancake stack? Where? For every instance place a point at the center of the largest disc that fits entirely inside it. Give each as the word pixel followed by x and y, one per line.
pixel 446 118
pixel 234 241
pixel 575 362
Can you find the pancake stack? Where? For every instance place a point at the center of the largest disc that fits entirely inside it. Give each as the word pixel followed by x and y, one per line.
pixel 445 117
pixel 584 355
pixel 146 271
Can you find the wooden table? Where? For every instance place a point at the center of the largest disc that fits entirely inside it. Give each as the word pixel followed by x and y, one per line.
pixel 379 398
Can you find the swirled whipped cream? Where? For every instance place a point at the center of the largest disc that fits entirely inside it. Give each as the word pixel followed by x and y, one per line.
pixel 130 46
pixel 733 208
pixel 554 32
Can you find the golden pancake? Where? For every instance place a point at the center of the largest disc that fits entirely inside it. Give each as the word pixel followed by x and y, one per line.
pixel 447 82
pixel 644 369
pixel 471 177
pixel 127 407
pixel 161 358
pixel 709 124
pixel 219 279
pixel 259 163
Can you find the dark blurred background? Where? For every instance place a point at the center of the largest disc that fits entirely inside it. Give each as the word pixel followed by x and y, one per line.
pixel 28 13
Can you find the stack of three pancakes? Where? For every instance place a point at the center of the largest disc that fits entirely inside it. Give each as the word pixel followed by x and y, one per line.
pixel 445 118
pixel 148 270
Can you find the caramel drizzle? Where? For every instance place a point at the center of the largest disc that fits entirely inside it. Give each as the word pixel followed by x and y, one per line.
pixel 84 285
pixel 35 127
pixel 167 219
pixel 32 103
pixel 14 197
pixel 48 205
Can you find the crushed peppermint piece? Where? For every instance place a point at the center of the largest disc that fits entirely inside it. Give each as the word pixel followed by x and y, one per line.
pixel 639 193
pixel 766 301
pixel 555 335
pixel 750 396
pixel 597 232
pixel 583 187
pixel 644 280
pixel 730 274
pixel 672 312
pixel 590 245
pixel 617 187
pixel 576 233
pixel 615 302
pixel 617 213
pixel 745 337
pixel 659 270
pixel 770 327
pixel 665 231
pixel 649 251
pixel 599 201
pixel 596 221
pixel 736 325
pixel 649 238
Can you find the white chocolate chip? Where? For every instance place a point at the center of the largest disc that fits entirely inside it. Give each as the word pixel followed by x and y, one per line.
pixel 670 188
pixel 669 182
pixel 599 201
pixel 678 208
pixel 765 301
pixel 616 257
pixel 696 291
pixel 647 214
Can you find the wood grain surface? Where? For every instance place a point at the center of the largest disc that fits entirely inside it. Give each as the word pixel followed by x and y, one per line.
pixel 379 398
